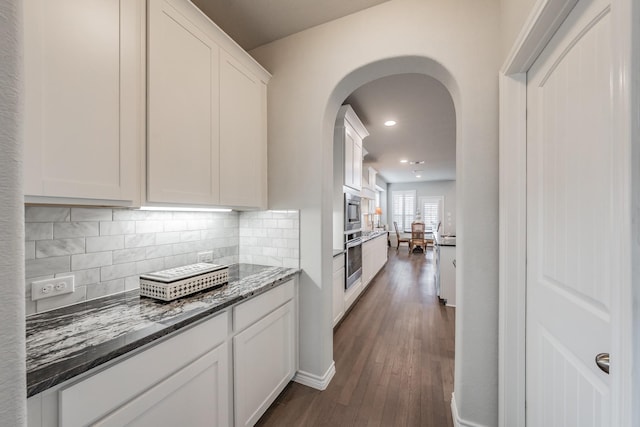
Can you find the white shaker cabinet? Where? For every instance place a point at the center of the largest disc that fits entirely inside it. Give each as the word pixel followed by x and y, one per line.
pixel 243 136
pixel 84 64
pixel 183 380
pixel 207 113
pixel 264 351
pixel 338 288
pixel 348 136
pixel 183 142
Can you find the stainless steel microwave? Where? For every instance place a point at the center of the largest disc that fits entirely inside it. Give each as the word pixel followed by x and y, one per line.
pixel 352 213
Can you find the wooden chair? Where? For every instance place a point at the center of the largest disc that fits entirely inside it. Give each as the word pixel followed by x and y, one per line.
pixel 400 239
pixel 417 236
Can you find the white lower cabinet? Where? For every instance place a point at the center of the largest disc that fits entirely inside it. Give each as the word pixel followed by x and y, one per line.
pixel 196 395
pixel 338 288
pixel 194 378
pixel 264 356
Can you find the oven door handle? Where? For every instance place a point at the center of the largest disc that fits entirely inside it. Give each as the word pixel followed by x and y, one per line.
pixel 354 242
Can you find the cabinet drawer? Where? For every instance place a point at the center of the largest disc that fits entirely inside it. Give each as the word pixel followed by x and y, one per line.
pixel 249 312
pixel 127 379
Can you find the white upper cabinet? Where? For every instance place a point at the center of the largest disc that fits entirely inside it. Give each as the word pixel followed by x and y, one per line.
pixel 349 133
pixel 183 144
pixel 207 113
pixel 243 137
pixel 84 100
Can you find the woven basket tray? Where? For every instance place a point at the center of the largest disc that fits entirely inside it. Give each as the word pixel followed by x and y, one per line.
pixel 168 285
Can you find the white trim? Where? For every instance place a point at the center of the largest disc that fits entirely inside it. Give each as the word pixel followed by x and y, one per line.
pixel 546 17
pixel 457 420
pixel 315 381
pixel 512 251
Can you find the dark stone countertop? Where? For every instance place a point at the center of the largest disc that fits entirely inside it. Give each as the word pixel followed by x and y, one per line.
pixel 69 341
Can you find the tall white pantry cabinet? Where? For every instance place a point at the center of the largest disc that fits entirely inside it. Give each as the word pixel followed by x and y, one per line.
pixel 123 110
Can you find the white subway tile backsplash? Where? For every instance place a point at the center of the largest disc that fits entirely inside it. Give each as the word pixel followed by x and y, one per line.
pixel 29 250
pixel 85 261
pixel 38 230
pixel 131 282
pixel 129 255
pixel 176 225
pixel 66 230
pixel 101 289
pixel 104 243
pixel 190 236
pixel 149 227
pixel 270 238
pixel 113 228
pixel 149 265
pixel 91 214
pixel 160 251
pixel 107 249
pixel 167 238
pixel 46 214
pixel 83 277
pixel 59 247
pixel 139 240
pixel 46 266
pixel 117 271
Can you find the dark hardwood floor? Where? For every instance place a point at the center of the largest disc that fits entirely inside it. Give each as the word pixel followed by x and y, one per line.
pixel 393 353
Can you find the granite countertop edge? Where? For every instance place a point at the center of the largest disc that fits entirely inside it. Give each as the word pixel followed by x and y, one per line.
pixel 46 377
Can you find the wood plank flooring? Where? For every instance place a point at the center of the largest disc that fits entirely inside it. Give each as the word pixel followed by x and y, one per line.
pixel 394 357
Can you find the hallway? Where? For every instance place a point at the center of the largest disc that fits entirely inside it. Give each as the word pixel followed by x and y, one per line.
pixel 394 357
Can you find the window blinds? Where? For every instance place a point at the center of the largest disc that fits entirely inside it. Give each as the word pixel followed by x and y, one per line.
pixel 404 208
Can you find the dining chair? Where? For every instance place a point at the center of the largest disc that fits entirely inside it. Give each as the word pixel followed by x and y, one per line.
pixel 400 239
pixel 417 236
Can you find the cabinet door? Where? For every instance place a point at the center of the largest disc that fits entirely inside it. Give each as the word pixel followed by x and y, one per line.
pixel 84 98
pixel 349 144
pixel 183 122
pixel 338 291
pixel 243 143
pixel 367 262
pixel 357 163
pixel 264 362
pixel 194 396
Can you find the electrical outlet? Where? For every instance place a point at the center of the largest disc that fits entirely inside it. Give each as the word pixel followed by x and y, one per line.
pixel 52 287
pixel 206 256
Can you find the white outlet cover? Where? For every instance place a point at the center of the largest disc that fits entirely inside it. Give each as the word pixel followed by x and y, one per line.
pixel 48 288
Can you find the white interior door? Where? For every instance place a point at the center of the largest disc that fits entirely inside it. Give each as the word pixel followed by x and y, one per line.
pixel 569 216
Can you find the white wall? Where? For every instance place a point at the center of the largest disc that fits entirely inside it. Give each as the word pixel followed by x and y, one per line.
pixel 447 189
pixel 456 42
pixel 513 14
pixel 12 339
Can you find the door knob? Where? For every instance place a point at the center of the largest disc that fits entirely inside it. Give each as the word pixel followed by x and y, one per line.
pixel 602 360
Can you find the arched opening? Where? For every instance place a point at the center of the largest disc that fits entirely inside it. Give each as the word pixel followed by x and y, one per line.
pixel 379 70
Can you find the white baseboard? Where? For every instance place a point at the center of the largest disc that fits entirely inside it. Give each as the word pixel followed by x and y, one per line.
pixel 457 421
pixel 315 381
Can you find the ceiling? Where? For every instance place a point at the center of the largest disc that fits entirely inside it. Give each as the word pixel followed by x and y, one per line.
pixel 420 104
pixel 253 23
pixel 425 129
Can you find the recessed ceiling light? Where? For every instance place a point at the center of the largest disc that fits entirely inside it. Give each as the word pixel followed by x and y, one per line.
pixel 418 176
pixel 404 161
pixel 390 123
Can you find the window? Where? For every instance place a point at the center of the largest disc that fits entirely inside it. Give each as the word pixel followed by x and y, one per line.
pixel 404 208
pixel 431 208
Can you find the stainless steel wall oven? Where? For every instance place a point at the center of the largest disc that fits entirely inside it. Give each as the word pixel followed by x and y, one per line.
pixel 353 250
